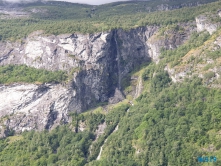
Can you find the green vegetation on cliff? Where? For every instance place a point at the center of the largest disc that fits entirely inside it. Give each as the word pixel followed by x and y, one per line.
pixel 172 124
pixel 169 124
pixel 22 73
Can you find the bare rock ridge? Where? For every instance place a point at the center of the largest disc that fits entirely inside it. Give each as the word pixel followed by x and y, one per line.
pixel 97 63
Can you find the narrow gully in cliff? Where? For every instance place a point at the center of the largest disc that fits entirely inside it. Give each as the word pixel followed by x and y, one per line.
pixel 118 62
pixel 101 149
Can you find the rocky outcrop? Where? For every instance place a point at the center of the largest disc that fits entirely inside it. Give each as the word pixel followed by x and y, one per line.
pixel 100 130
pixel 202 61
pixel 169 39
pixel 28 106
pixel 62 52
pixel 97 65
pixel 96 62
pixel 204 23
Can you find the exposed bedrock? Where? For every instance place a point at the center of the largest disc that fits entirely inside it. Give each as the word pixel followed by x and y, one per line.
pixel 97 64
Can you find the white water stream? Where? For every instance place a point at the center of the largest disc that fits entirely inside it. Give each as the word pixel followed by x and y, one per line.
pixel 101 149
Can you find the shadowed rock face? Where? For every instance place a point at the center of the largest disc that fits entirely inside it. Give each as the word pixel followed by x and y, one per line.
pixel 97 64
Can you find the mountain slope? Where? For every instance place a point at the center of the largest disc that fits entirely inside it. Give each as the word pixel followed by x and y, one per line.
pixel 143 96
pixel 59 18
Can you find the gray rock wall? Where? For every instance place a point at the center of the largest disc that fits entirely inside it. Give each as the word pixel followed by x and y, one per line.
pixel 100 62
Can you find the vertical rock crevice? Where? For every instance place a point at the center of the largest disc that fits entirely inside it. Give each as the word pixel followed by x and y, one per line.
pixel 118 60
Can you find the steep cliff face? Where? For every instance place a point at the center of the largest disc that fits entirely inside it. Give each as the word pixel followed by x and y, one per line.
pixel 97 64
pixel 62 52
pixel 27 106
pixel 204 23
pixel 170 38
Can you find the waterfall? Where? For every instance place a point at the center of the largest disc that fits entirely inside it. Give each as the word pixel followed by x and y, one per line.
pixel 101 149
pixel 118 62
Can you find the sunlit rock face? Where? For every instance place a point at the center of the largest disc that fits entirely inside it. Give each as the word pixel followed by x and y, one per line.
pixel 169 39
pixel 28 106
pixel 97 65
pixel 205 24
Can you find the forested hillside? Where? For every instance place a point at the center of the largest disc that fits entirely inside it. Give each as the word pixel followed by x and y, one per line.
pixel 172 123
pixel 59 18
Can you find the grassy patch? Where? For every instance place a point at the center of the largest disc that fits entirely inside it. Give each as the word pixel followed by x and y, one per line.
pixel 15 138
pixel 22 73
